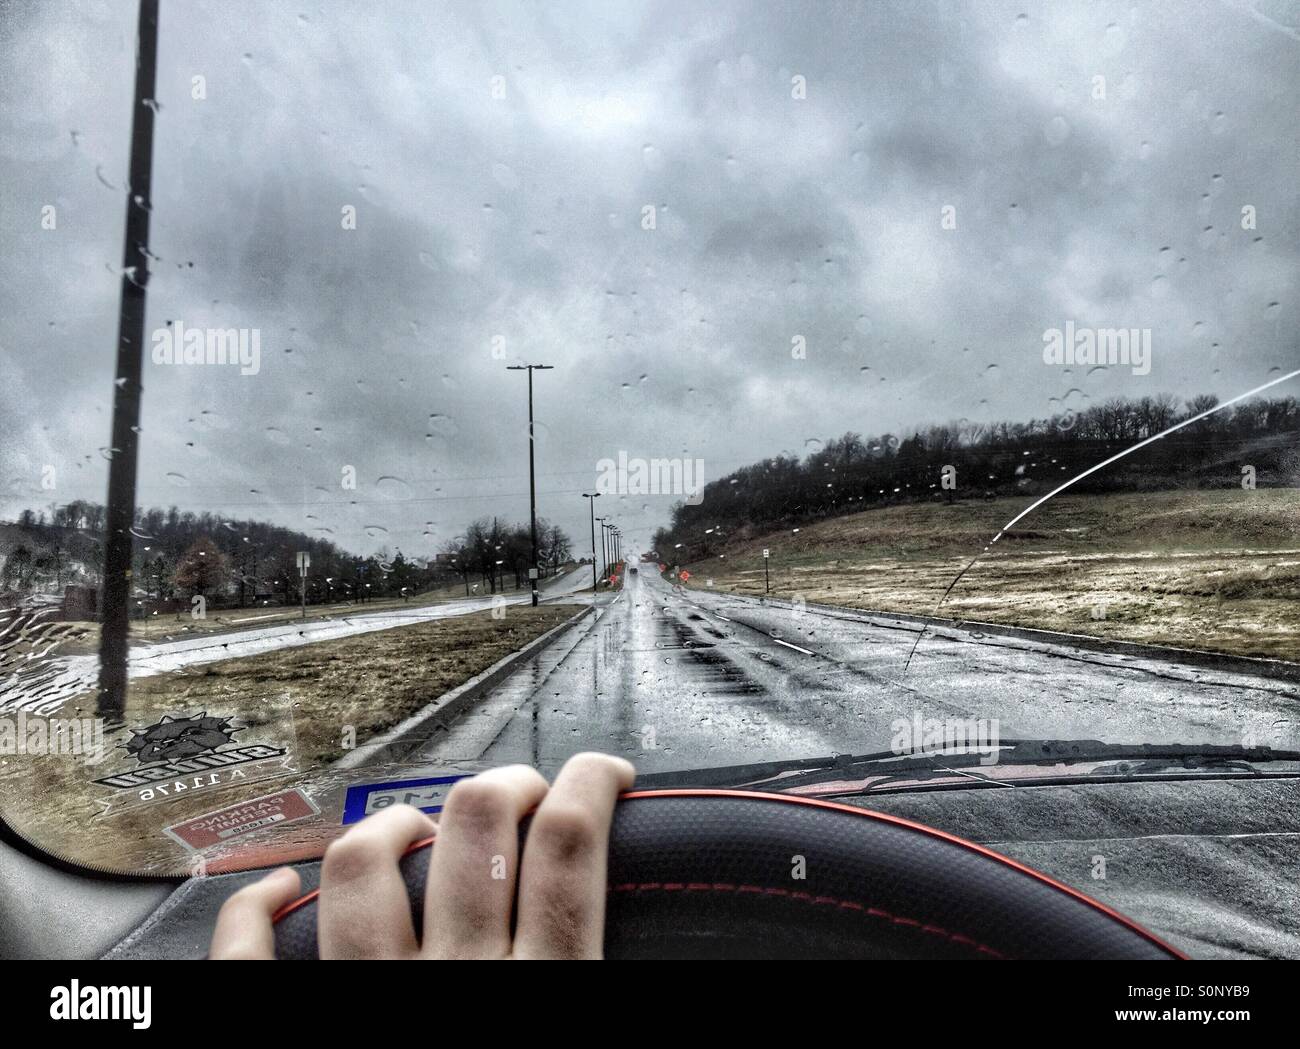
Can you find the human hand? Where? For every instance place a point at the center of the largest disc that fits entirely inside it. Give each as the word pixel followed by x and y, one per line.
pixel 476 882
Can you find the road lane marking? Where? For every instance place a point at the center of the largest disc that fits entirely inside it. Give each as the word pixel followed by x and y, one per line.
pixel 788 645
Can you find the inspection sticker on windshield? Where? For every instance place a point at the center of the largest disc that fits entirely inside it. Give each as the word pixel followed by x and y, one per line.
pixel 244 818
pixel 427 795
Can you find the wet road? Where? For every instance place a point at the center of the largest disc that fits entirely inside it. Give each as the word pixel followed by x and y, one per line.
pixel 676 678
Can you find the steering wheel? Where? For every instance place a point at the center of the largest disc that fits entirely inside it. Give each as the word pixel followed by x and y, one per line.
pixel 739 874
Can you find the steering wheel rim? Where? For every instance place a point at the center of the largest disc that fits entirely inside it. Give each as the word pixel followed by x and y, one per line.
pixel 700 873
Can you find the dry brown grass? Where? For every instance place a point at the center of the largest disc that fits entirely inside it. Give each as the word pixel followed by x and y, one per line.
pixel 301 698
pixel 1206 570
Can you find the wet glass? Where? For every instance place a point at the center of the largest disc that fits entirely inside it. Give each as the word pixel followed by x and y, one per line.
pixel 833 304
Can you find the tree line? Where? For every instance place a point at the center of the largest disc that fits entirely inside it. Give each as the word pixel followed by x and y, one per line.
pixel 241 562
pixel 490 549
pixel 965 460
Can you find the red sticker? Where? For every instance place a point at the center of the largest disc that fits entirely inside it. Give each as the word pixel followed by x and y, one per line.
pixel 244 818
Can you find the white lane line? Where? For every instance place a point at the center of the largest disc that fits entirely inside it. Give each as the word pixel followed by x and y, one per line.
pixel 795 647
pixel 722 617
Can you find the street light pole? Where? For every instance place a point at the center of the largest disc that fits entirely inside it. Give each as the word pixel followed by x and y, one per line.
pixel 591 498
pixel 604 554
pixel 532 476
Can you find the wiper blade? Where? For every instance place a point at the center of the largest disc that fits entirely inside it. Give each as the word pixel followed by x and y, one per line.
pixel 1052 751
pixel 735 775
pixel 919 762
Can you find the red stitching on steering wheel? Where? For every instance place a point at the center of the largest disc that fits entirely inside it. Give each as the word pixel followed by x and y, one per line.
pixel 809 898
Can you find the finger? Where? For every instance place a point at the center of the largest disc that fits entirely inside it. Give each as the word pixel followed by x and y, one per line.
pixel 562 881
pixel 243 927
pixel 364 908
pixel 470 894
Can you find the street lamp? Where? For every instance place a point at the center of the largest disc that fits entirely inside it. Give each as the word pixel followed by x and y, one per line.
pixel 532 475
pixel 604 552
pixel 591 498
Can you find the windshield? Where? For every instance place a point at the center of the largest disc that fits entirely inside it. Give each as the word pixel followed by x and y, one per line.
pixel 396 391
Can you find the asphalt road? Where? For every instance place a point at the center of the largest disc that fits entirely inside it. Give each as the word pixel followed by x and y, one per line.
pixel 678 678
pixel 42 686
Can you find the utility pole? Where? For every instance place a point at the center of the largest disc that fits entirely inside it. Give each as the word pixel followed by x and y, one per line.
pixel 532 476
pixel 128 378
pixel 591 498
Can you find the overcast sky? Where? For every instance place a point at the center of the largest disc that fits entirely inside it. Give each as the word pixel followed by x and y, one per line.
pixel 1112 202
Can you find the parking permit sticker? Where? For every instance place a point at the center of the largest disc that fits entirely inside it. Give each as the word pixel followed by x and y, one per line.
pixel 427 795
pixel 213 828
pixel 188 750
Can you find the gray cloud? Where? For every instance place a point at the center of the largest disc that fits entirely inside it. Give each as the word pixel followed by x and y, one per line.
pixel 520 217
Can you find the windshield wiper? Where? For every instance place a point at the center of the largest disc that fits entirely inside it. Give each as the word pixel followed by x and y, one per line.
pixel 920 763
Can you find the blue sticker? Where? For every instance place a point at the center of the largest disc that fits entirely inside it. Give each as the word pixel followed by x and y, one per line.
pixel 427 795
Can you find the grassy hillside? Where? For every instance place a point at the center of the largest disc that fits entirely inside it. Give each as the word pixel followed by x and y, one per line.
pixel 1217 570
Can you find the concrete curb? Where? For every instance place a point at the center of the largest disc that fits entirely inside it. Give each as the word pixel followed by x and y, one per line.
pixel 1278 669
pixel 394 744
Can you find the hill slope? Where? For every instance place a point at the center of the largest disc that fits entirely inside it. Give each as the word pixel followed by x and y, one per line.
pixel 1198 569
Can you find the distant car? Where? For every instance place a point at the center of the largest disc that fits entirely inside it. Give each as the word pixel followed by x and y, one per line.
pixel 632 570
